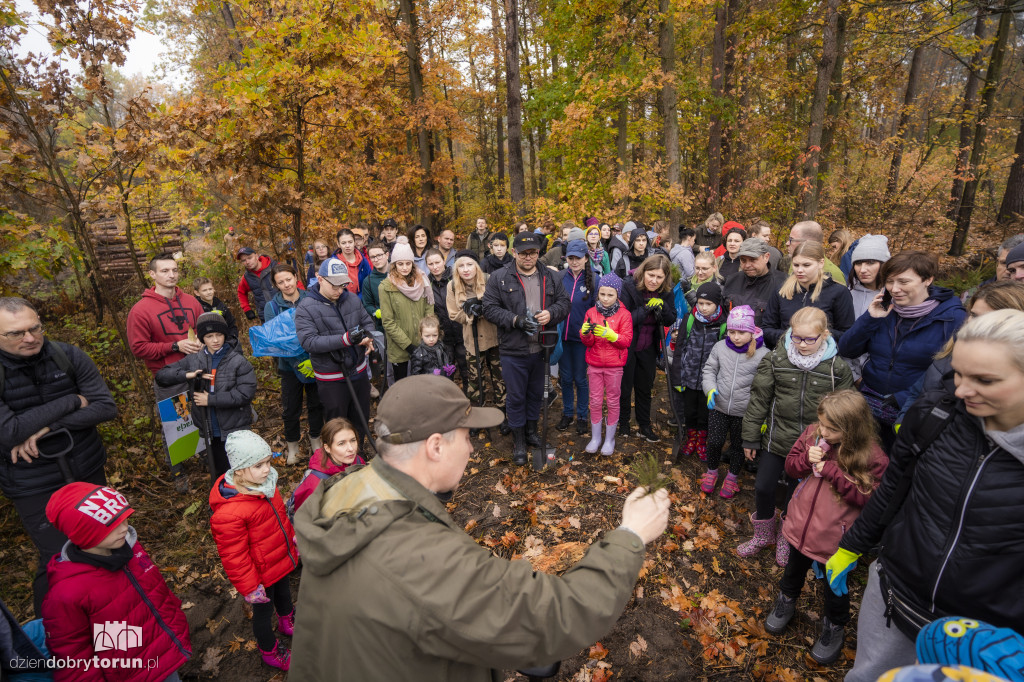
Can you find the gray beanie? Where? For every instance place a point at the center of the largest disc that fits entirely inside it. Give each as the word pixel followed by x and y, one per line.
pixel 245 448
pixel 1015 255
pixel 871 247
pixel 628 227
pixel 575 233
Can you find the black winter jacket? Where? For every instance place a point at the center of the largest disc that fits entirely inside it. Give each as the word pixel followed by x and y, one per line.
pixel 492 263
pixel 425 359
pixel 38 393
pixel 322 327
pixel 234 387
pixel 504 299
pixel 221 307
pixel 755 292
pixel 835 300
pixel 692 352
pixel 956 544
pixel 451 330
pixel 636 303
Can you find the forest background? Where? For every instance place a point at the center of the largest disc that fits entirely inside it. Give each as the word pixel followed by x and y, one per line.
pixel 293 119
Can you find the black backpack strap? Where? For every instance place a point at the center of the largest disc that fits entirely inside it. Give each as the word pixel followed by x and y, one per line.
pixel 929 429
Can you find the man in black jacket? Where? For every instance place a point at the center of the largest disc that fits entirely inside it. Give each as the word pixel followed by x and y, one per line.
pixel 46 386
pixel 756 281
pixel 521 299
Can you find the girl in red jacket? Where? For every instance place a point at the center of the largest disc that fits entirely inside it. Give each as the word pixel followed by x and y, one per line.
pixel 841 463
pixel 340 451
pixel 108 613
pixel 256 541
pixel 607 331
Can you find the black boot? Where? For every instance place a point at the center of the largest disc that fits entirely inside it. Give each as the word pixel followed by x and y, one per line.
pixel 565 422
pixel 504 429
pixel 582 426
pixel 518 447
pixel 532 437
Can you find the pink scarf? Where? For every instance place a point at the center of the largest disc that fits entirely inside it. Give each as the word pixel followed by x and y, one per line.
pixel 416 291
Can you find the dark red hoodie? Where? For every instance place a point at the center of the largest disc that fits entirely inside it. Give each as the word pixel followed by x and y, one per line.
pixel 156 322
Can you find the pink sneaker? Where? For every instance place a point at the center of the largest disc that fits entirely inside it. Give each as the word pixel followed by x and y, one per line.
pixel 730 487
pixel 708 481
pixel 279 657
pixel 286 624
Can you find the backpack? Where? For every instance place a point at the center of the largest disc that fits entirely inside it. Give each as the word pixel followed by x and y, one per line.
pixel 689 327
pixel 60 356
pixel 929 429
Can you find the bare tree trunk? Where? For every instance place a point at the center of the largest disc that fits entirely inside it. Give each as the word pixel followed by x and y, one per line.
pixel 236 44
pixel 906 112
pixel 966 132
pixel 669 102
pixel 300 179
pixel 826 65
pixel 988 96
pixel 835 102
pixel 514 95
pixel 499 120
pixel 426 150
pixel 718 92
pixel 622 121
pixel 1012 207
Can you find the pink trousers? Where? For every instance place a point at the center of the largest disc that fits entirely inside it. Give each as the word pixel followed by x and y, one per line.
pixel 604 381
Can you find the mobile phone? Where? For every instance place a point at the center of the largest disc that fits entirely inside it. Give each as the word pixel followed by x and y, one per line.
pixel 886 299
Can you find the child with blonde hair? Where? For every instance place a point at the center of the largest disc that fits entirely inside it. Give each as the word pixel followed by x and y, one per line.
pixel 791 380
pixel 430 357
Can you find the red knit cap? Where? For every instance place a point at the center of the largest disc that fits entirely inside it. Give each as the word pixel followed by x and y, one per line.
pixel 86 512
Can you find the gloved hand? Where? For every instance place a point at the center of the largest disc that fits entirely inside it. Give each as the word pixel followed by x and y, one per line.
pixel 816 567
pixel 449 369
pixel 655 303
pixel 250 315
pixel 679 388
pixel 839 564
pixel 764 427
pixel 473 307
pixel 896 428
pixel 376 313
pixel 606 333
pixel 306 367
pixel 356 335
pixel 587 328
pixel 411 348
pixel 527 324
pixel 258 596
pixel 711 398
pixel 437 372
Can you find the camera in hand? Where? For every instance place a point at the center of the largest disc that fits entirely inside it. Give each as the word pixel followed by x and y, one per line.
pixel 356 335
pixel 473 307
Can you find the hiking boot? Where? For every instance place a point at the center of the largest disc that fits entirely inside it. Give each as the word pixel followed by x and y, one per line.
pixel 648 434
pixel 293 453
pixel 315 444
pixel 279 657
pixel 730 487
pixel 581 426
pixel 781 614
pixel 764 535
pixel 565 422
pixel 608 449
pixel 503 428
pixel 595 438
pixel 532 437
pixel 830 642
pixel 708 481
pixel 702 445
pixel 518 446
pixel 286 624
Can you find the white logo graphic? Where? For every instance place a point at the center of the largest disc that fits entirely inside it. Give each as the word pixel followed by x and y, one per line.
pixel 116 635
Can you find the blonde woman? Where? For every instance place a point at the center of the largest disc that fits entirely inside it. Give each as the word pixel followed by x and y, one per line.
pixel 705 269
pixel 465 293
pixel 808 286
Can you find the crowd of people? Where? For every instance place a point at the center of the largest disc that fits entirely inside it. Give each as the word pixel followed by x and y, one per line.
pixel 877 412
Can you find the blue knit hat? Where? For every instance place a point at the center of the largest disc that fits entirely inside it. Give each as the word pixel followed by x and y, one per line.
pixel 611 280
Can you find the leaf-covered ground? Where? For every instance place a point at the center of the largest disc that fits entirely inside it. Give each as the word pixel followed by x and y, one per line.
pixel 696 611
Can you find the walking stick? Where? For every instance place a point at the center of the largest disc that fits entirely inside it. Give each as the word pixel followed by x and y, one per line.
pixel 352 393
pixel 677 440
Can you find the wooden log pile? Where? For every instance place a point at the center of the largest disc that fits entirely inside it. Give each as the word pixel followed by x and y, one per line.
pixel 152 232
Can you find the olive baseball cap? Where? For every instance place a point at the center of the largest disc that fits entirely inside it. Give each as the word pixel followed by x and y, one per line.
pixel 417 407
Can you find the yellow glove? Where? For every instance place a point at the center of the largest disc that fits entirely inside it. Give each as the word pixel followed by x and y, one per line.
pixel 764 427
pixel 655 303
pixel 606 333
pixel 896 429
pixel 839 564
pixel 306 367
pixel 586 327
pixel 376 313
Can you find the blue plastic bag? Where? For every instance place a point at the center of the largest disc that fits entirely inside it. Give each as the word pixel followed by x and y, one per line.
pixel 276 338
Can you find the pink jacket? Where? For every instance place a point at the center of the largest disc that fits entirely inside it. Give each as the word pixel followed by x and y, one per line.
pixel 604 353
pixel 320 467
pixel 823 507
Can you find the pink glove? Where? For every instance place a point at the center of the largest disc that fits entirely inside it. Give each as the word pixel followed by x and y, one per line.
pixel 449 369
pixel 437 372
pixel 257 596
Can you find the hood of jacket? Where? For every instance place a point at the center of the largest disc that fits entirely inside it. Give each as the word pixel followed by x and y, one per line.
pixel 339 521
pixel 948 302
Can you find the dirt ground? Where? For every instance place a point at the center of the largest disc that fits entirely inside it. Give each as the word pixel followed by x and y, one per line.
pixel 697 608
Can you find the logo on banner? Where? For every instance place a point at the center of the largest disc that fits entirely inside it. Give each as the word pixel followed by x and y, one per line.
pixel 116 635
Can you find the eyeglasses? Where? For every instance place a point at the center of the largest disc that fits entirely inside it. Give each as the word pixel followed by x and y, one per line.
pixel 806 340
pixel 796 240
pixel 35 331
pixel 379 256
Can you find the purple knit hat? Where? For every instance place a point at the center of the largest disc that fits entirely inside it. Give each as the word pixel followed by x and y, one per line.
pixel 611 280
pixel 741 319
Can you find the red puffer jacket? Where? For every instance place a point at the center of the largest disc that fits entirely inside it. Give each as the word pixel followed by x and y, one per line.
pixel 255 539
pixel 91 613
pixel 823 507
pixel 602 352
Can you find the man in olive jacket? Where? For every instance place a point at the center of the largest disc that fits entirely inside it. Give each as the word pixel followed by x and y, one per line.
pixel 387 570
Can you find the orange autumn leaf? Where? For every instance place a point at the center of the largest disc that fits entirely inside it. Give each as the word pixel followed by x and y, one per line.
pixel 597 652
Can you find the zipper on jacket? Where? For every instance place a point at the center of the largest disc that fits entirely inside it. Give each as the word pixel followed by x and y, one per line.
pixel 960 524
pixel 160 621
pixel 287 540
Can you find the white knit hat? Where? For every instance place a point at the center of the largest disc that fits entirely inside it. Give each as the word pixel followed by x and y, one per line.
pixel 871 247
pixel 245 449
pixel 401 252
